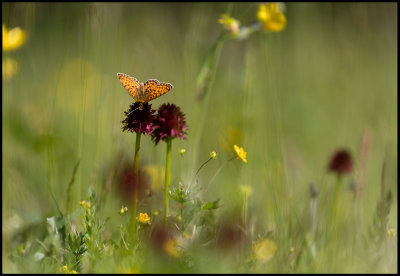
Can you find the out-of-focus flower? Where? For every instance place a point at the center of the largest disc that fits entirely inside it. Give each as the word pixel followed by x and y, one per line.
pixel 230 235
pixel 127 183
pixel 170 247
pixel 264 250
pixel 123 210
pixel 143 218
pixel 246 190
pixel 10 68
pixel 391 233
pixel 214 154
pixel 65 270
pixel 139 120
pixel 241 154
pixel 182 151
pixel 231 24
pixel 156 176
pixel 271 17
pixel 169 123
pixel 85 204
pixel 341 162
pixel 13 38
pixel 163 240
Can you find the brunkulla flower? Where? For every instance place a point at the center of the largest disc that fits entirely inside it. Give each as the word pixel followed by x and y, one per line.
pixel 169 123
pixel 139 120
pixel 341 162
pixel 241 154
pixel 13 39
pixel 271 17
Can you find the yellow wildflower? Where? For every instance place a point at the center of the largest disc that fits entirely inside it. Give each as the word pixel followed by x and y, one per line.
pixel 13 39
pixel 246 190
pixel 272 19
pixel 143 218
pixel 170 247
pixel 73 272
pixel 10 68
pixel 213 154
pixel 230 23
pixel 241 154
pixel 264 250
pixel 391 233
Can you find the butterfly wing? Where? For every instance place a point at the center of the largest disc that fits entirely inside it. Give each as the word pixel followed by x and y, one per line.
pixel 154 89
pixel 131 84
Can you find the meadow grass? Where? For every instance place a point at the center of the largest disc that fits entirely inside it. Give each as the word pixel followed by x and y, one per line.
pixel 291 99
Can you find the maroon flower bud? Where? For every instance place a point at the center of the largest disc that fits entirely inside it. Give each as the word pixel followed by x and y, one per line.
pixel 341 162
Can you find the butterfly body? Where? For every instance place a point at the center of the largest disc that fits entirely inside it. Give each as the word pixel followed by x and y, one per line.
pixel 143 92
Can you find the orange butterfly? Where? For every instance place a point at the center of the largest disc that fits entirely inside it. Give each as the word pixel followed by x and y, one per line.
pixel 143 93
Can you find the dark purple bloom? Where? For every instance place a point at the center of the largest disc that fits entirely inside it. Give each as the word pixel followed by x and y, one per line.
pixel 139 120
pixel 341 162
pixel 169 123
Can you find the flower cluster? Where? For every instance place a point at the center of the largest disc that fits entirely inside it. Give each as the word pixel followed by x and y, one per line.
pixel 139 120
pixel 169 122
pixel 270 18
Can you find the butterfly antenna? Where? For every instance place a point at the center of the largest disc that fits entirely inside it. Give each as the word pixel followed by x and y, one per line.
pixel 132 111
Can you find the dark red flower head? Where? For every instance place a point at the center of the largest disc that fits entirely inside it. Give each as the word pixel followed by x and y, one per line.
pixel 169 123
pixel 139 120
pixel 341 162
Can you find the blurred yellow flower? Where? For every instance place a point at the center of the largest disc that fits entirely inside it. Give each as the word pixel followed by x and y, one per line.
pixel 271 17
pixel 240 153
pixel 170 247
pixel 10 68
pixel 156 174
pixel 230 23
pixel 264 250
pixel 391 233
pixel 213 154
pixel 143 218
pixel 13 39
pixel 246 190
pixel 85 204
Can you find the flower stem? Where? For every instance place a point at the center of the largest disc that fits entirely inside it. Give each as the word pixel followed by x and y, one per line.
pixel 217 172
pixel 132 228
pixel 167 178
pixel 202 166
pixel 336 197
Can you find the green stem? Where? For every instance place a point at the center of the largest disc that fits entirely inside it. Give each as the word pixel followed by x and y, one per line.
pixel 202 166
pixel 217 172
pixel 132 228
pixel 336 197
pixel 167 178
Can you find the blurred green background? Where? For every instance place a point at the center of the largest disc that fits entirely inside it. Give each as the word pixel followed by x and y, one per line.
pixel 290 99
